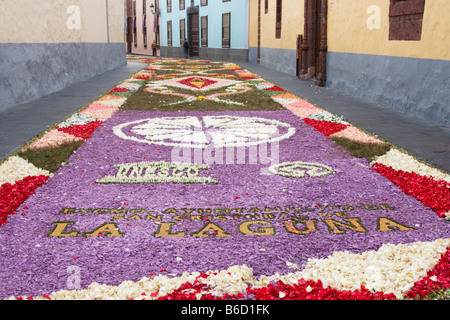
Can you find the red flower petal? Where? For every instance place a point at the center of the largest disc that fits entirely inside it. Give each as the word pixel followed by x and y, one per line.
pixel 83 131
pixel 13 195
pixel 442 281
pixel 432 193
pixel 326 127
pixel 119 90
pixel 275 88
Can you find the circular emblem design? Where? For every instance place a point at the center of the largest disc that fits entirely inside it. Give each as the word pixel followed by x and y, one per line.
pixel 201 132
pixel 298 169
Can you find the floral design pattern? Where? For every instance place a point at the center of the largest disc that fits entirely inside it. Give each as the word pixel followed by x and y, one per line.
pixel 407 197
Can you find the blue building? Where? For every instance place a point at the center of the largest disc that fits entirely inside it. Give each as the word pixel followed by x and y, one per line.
pixel 215 29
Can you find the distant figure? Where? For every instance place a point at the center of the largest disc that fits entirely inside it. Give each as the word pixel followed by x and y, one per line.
pixel 154 47
pixel 186 48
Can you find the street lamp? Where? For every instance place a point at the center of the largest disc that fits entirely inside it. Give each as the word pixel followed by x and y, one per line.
pixel 152 8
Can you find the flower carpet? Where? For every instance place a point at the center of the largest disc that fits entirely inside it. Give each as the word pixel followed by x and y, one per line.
pixel 200 180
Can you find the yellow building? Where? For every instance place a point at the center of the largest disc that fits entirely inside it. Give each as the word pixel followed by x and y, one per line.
pixel 393 52
pixel 272 48
pixel 47 45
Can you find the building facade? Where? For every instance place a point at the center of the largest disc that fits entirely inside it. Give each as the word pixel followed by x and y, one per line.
pixel 396 53
pixel 274 30
pixel 142 27
pixel 215 29
pixel 46 46
pixel 393 52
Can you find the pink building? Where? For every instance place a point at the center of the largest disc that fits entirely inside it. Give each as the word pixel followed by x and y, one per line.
pixel 143 26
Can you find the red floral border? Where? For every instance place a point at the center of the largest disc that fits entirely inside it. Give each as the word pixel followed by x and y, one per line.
pixel 432 193
pixel 326 127
pixel 13 195
pixel 83 131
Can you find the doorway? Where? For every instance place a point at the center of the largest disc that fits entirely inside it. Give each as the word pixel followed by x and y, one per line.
pixel 314 42
pixel 193 34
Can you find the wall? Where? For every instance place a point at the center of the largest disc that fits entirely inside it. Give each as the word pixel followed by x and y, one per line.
pixel 411 76
pixel 238 50
pixel 279 54
pixel 47 45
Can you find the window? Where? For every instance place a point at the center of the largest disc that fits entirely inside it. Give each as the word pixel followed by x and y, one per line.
pixel 144 23
pixel 226 19
pixel 204 2
pixel 204 27
pixel 169 33
pixel 266 6
pixel 405 19
pixel 157 35
pixel 278 20
pixel 169 5
pixel 134 24
pixel 182 5
pixel 182 31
